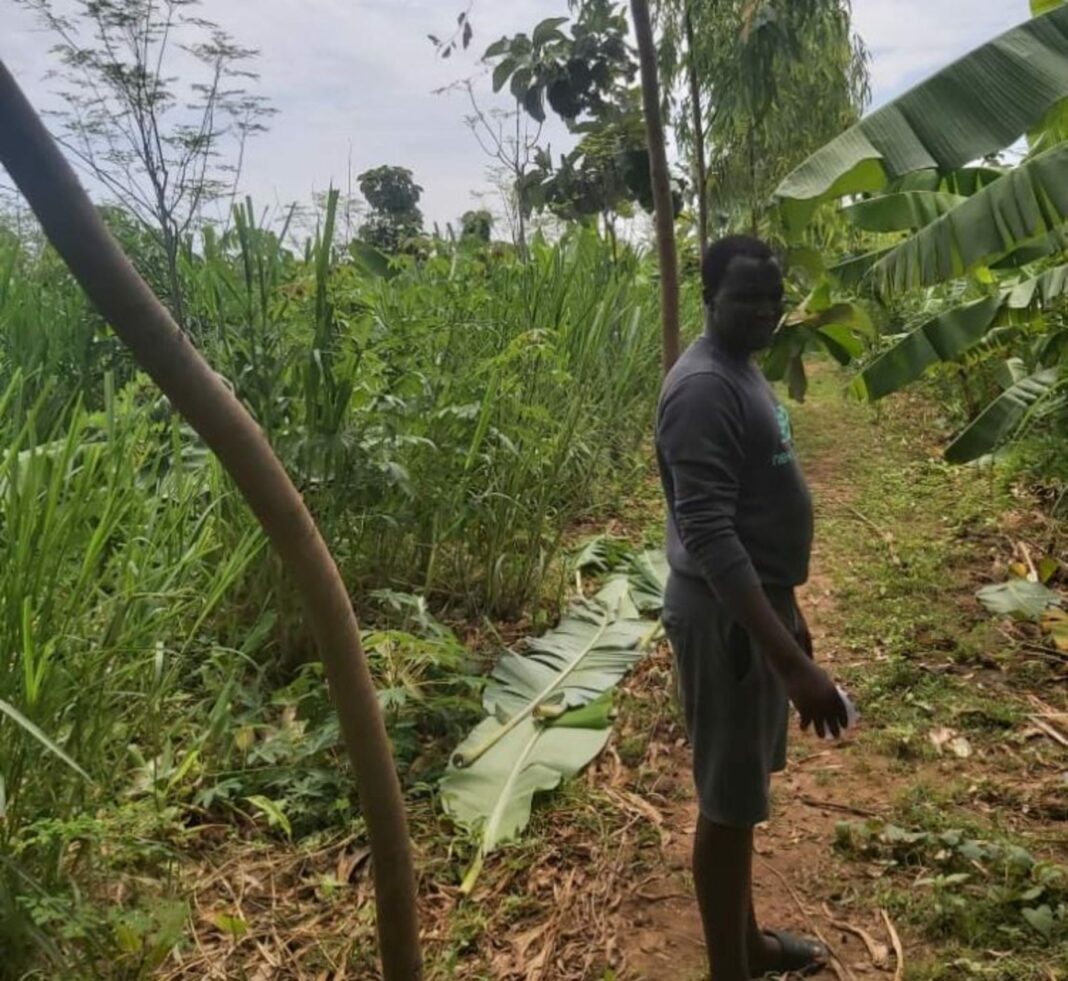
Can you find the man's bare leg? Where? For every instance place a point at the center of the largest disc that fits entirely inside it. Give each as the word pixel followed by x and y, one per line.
pixel 722 875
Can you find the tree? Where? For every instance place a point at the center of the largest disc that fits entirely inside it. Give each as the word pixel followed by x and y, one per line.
pixel 658 168
pixel 477 225
pixel 394 217
pixel 586 77
pixel 200 395
pixel 779 78
pixel 162 153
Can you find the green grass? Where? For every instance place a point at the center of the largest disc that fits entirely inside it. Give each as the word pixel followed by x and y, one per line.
pixel 908 540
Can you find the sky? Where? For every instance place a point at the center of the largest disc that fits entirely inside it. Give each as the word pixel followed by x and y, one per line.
pixel 354 81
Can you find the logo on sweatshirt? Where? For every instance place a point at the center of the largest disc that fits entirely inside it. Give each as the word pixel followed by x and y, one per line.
pixel 786 433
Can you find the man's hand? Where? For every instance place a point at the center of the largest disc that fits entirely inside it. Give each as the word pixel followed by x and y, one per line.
pixel 816 699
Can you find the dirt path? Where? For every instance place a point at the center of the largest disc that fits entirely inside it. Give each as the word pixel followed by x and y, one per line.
pixel 798 878
pixel 904 573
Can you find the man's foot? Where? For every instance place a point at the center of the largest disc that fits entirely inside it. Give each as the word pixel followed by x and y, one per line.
pixel 783 953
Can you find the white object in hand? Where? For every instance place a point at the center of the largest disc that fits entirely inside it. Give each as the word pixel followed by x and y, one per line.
pixel 852 715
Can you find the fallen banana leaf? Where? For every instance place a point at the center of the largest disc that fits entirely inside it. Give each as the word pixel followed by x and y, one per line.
pixel 585 655
pixel 494 798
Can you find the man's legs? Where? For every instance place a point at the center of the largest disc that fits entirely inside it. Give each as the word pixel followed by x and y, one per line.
pixel 722 875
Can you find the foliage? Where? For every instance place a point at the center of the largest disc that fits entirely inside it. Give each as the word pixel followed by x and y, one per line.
pixel 162 151
pixel 395 217
pixel 985 243
pixel 587 79
pixel 779 78
pixel 980 888
pixel 477 225
pixel 447 418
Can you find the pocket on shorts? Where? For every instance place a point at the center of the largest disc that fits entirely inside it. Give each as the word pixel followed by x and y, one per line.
pixel 740 653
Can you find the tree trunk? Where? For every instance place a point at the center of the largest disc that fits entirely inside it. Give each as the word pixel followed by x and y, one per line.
pixel 658 171
pixel 75 229
pixel 700 167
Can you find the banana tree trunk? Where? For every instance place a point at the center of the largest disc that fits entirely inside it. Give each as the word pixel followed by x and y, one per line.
pixel 73 226
pixel 658 171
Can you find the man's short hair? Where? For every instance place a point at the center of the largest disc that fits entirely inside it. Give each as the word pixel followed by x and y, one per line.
pixel 718 257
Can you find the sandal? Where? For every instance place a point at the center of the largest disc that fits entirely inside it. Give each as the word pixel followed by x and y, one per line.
pixel 796 954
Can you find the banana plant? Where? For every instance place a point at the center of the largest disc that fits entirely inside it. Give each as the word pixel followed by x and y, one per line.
pixel 908 173
pixel 968 111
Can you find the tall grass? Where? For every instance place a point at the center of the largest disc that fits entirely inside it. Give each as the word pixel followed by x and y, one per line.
pixel 449 416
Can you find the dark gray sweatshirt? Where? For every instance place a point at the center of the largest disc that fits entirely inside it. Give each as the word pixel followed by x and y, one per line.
pixel 739 512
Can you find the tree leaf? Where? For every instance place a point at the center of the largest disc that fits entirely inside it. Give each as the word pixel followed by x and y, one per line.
pixel 495 50
pixel 502 72
pixel 1018 597
pixel 974 107
pixel 905 210
pixel 1040 919
pixel 548 29
pixel 493 798
pixel 587 653
pixel 1028 203
pixel 273 812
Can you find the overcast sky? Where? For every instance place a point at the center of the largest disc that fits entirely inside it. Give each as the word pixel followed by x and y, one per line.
pixel 355 79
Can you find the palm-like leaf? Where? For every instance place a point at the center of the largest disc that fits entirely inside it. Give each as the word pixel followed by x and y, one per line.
pixel 495 796
pixel 587 653
pixel 1002 417
pixel 1028 203
pixel 905 210
pixel 976 106
pixel 951 333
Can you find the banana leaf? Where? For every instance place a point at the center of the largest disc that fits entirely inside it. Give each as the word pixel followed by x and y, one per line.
pixel 951 333
pixel 494 798
pixel 1002 417
pixel 585 655
pixel 973 108
pixel 1027 204
pixel 903 211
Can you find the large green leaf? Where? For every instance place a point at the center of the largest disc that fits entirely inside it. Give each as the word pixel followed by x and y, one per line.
pixel 1018 597
pixel 1026 204
pixel 494 798
pixel 905 210
pixel 587 653
pixel 951 333
pixel 1002 417
pixel 975 107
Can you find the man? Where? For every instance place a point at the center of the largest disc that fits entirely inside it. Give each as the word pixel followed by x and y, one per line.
pixel 739 538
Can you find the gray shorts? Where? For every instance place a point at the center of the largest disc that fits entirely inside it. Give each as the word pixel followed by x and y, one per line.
pixel 735 705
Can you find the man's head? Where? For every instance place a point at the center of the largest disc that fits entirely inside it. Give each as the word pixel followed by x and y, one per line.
pixel 743 289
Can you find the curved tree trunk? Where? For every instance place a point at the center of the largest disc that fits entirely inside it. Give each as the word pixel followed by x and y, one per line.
pixel 74 228
pixel 658 170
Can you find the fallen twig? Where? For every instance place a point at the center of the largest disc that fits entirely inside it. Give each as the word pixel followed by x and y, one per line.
pixel 831 805
pixel 877 951
pixel 899 952
pixel 888 539
pixel 1055 734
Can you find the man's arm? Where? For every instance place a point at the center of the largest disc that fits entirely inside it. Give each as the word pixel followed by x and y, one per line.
pixel 701 435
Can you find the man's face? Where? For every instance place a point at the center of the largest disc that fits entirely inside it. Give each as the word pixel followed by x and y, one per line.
pixel 748 306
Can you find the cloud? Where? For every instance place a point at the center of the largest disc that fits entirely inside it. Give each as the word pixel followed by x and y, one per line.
pixel 910 39
pixel 355 79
